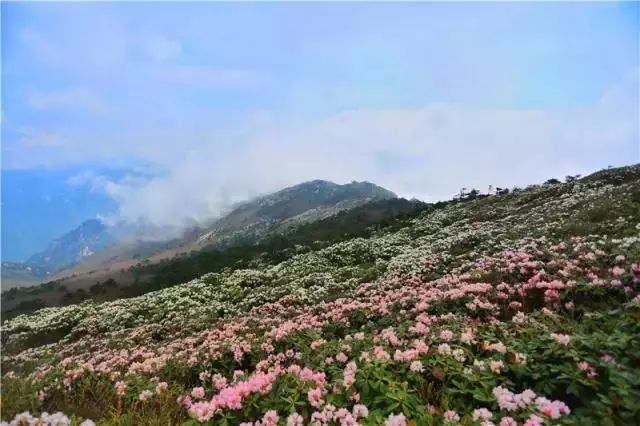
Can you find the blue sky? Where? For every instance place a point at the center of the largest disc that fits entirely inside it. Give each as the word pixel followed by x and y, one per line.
pixel 202 104
pixel 39 205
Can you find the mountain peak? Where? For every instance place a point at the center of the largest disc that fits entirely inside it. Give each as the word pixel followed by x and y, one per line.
pixel 353 188
pixel 294 200
pixel 304 202
pixel 89 237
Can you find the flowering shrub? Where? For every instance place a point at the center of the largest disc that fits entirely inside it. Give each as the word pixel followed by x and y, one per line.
pixel 513 310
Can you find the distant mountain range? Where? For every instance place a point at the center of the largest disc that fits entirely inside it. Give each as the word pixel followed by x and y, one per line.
pixel 95 245
pixel 91 237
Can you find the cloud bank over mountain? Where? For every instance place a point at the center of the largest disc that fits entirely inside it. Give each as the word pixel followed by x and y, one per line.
pixel 427 152
pixel 244 100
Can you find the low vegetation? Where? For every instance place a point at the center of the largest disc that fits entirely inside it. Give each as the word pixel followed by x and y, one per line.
pixel 272 248
pixel 514 309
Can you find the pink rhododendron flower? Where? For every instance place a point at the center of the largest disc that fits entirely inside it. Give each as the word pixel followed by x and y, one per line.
pixel 444 349
pixel 270 418
pixel 608 358
pixel 551 295
pixel 380 354
pixel 317 343
pixel 451 416
pixel 294 369
pixel 446 335
pixel 161 387
pixel 467 336
pixel 496 366
pixel 563 339
pixel 482 414
pixel 350 374
pixel 120 387
pixel 534 420
pixel 495 347
pixel 201 411
pixel 396 420
pixel 509 401
pixel 508 421
pixel 617 271
pixel 184 400
pixel 198 393
pixel 416 366
pixel 315 397
pixel 552 409
pixel 219 381
pixel 519 318
pixel 295 419
pixel 635 271
pixel 408 355
pixel 360 411
pixel 319 418
pixel 145 395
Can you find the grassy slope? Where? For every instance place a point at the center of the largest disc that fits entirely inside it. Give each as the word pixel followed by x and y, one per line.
pixel 273 248
pixel 481 268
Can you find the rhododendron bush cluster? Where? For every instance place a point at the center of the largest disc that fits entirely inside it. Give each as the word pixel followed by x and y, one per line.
pixel 521 309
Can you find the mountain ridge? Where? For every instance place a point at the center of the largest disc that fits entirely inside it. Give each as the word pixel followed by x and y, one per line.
pixel 95 245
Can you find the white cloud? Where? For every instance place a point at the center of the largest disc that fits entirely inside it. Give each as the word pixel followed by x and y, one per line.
pixel 160 48
pixel 213 77
pixel 450 146
pixel 72 98
pixel 37 139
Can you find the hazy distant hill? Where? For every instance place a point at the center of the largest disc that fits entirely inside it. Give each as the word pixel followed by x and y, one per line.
pixel 70 249
pixel 20 274
pixel 98 249
pixel 90 237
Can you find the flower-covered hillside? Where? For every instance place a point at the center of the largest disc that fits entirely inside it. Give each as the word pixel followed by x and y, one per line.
pixel 518 309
